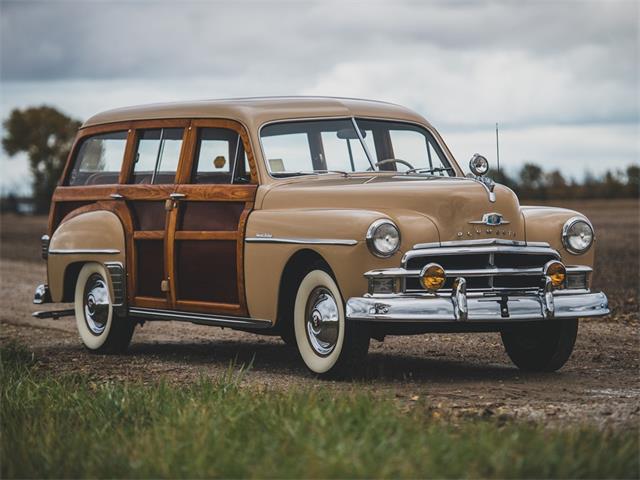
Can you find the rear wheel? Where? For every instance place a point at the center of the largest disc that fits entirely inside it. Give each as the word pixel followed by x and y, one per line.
pixel 328 345
pixel 101 329
pixel 541 347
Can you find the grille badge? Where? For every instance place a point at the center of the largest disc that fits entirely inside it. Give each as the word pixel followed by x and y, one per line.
pixel 491 220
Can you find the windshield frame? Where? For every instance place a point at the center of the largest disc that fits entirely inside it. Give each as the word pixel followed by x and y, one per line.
pixel 429 132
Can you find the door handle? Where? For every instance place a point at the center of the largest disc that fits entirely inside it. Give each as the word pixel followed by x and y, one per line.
pixel 177 196
pixel 116 196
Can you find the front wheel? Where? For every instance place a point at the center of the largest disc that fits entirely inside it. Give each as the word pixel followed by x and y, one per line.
pixel 327 344
pixel 541 347
pixel 101 329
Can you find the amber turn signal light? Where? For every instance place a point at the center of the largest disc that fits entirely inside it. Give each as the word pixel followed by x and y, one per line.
pixel 432 277
pixel 557 272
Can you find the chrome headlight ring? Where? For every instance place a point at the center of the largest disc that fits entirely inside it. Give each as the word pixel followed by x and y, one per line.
pixel 569 230
pixel 380 232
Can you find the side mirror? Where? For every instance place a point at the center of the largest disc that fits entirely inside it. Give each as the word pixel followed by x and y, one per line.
pixel 479 165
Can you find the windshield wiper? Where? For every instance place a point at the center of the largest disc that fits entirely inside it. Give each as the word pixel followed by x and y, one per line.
pixel 430 170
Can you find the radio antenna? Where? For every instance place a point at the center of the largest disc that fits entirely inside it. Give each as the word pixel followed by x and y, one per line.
pixel 497 147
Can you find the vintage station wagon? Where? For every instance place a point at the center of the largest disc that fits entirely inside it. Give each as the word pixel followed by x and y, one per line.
pixel 325 221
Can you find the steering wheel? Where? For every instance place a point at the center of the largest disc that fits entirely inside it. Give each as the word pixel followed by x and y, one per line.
pixel 387 161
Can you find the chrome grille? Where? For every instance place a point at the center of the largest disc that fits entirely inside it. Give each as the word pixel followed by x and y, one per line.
pixel 486 265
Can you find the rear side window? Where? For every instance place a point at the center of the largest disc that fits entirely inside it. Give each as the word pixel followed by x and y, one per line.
pixel 99 159
pixel 220 158
pixel 157 155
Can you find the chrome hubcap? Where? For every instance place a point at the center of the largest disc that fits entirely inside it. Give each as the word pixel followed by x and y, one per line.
pixel 322 319
pixel 96 304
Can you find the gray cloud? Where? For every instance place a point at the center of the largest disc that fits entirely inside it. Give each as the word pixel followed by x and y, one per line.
pixel 464 65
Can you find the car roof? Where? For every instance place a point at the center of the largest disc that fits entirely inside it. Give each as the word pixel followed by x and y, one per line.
pixel 254 112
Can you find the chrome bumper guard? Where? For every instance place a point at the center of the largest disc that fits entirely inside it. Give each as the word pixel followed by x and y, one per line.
pixel 478 307
pixel 41 294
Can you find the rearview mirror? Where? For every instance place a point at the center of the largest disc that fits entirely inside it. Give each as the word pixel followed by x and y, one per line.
pixel 350 134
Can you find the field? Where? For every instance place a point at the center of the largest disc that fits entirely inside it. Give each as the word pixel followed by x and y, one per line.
pixel 195 401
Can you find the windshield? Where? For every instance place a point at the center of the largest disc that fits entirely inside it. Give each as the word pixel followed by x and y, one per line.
pixel 318 146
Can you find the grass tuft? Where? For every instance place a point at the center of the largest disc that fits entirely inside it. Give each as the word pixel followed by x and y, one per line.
pixel 70 426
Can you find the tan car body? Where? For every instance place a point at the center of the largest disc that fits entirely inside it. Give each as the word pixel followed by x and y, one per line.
pixel 308 209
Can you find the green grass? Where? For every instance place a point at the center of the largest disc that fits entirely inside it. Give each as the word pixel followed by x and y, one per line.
pixel 71 427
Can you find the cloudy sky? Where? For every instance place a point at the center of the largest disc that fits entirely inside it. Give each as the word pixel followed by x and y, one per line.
pixel 560 77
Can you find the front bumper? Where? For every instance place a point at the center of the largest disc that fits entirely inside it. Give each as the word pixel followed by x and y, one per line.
pixel 477 307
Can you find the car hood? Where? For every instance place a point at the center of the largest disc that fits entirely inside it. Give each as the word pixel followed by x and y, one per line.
pixel 455 205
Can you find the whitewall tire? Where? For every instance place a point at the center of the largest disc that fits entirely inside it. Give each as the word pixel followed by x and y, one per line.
pixel 327 345
pixel 101 329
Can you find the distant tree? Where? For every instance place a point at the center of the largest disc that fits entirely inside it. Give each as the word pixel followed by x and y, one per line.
pixel 633 181
pixel 9 204
pixel 46 136
pixel 556 185
pixel 612 185
pixel 532 183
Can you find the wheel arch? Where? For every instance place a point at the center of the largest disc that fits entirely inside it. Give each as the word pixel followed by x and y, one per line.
pixel 298 264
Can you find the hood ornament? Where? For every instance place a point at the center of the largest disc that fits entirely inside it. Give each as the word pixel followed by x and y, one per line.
pixel 491 220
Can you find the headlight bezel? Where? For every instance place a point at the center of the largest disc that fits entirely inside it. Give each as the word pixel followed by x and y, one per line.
pixel 370 238
pixel 565 235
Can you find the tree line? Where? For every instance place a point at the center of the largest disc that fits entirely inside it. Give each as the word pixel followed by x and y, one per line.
pixel 532 182
pixel 46 135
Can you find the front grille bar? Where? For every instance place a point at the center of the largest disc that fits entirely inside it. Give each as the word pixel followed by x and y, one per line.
pixel 488 276
pixel 490 249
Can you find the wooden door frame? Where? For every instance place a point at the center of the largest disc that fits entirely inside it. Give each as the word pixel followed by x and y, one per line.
pixel 159 192
pixel 211 192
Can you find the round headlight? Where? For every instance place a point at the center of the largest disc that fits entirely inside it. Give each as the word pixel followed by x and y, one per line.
pixel 577 235
pixel 478 164
pixel 383 238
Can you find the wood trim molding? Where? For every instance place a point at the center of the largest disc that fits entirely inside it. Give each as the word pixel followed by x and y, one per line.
pixel 148 235
pixel 218 193
pixel 206 235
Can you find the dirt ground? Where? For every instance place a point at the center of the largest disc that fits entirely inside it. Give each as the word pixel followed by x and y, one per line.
pixel 458 375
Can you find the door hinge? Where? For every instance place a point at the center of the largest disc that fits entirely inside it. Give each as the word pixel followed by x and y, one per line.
pixel 164 286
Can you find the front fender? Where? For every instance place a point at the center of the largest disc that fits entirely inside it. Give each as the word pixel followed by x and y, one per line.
pixel 544 224
pixel 274 236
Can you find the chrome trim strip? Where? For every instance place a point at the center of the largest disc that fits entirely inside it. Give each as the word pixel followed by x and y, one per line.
pixel 201 318
pixel 302 241
pixel 87 251
pixel 578 269
pixel 483 241
pixel 423 252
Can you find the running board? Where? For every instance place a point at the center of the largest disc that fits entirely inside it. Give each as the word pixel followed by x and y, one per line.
pixel 199 318
pixel 55 314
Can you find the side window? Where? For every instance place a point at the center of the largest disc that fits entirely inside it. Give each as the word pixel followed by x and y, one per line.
pixel 288 152
pixel 99 159
pixel 220 158
pixel 157 155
